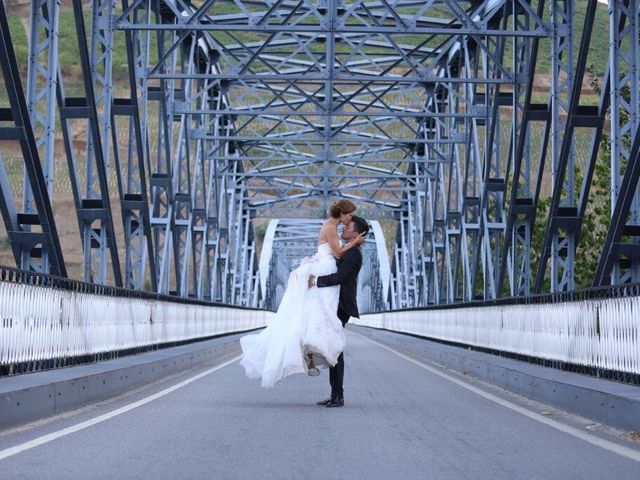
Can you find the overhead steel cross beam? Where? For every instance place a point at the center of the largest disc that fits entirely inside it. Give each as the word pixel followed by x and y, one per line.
pixel 327 81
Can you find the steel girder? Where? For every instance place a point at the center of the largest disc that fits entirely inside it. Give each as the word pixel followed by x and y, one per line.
pixel 560 240
pixel 620 262
pixel 525 191
pixel 31 230
pixel 199 219
pixel 460 219
pixel 89 180
pixel 478 233
pixel 41 97
pixel 132 167
pixel 321 113
pixel 184 213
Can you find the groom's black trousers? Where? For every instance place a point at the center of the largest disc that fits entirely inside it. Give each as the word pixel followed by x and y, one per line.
pixel 336 374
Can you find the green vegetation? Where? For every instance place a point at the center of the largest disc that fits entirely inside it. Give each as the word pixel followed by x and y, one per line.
pixel 4 242
pixel 260 230
pixel 19 37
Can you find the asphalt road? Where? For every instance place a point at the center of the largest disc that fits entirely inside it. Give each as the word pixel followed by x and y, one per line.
pixel 400 421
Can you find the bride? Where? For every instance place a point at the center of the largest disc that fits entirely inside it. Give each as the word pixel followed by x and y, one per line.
pixel 305 330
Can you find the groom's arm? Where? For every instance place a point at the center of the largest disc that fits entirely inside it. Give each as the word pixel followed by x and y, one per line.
pixel 350 262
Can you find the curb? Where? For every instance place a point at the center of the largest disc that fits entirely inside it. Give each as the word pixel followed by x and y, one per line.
pixel 33 396
pixel 611 403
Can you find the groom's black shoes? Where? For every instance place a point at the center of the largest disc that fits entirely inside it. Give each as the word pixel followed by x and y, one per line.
pixel 336 402
pixel 325 402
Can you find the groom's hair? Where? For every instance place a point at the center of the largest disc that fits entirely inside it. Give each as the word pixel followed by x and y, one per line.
pixel 360 224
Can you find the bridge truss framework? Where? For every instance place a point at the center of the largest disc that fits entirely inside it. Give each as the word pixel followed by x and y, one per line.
pixel 422 112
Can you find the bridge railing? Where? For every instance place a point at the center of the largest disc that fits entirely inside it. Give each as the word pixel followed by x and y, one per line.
pixel 595 331
pixel 47 321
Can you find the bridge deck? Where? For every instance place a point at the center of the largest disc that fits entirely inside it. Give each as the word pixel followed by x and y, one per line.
pixel 401 420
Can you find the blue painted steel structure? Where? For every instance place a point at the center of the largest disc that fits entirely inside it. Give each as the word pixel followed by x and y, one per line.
pixel 422 112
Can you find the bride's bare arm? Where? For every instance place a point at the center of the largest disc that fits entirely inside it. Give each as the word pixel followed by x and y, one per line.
pixel 334 242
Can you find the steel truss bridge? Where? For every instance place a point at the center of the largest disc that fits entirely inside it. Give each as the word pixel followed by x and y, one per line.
pixel 421 112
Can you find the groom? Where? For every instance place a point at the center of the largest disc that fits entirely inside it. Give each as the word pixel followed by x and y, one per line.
pixel 347 277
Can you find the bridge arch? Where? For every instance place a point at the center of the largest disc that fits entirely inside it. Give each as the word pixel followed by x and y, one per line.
pixel 287 241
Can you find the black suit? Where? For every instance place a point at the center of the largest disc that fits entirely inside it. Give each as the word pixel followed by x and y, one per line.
pixel 347 277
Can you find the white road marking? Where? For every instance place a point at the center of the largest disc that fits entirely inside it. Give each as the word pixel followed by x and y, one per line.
pixel 587 437
pixel 9 452
pixel 592 439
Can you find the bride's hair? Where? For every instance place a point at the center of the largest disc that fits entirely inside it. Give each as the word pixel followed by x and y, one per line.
pixel 340 207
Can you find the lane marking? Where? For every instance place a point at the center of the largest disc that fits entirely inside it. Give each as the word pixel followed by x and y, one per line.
pixel 9 452
pixel 587 437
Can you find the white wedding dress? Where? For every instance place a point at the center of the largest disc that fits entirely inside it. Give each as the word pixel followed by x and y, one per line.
pixel 306 322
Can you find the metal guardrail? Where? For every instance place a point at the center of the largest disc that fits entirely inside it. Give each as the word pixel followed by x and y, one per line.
pixel 595 331
pixel 48 321
pixel 609 291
